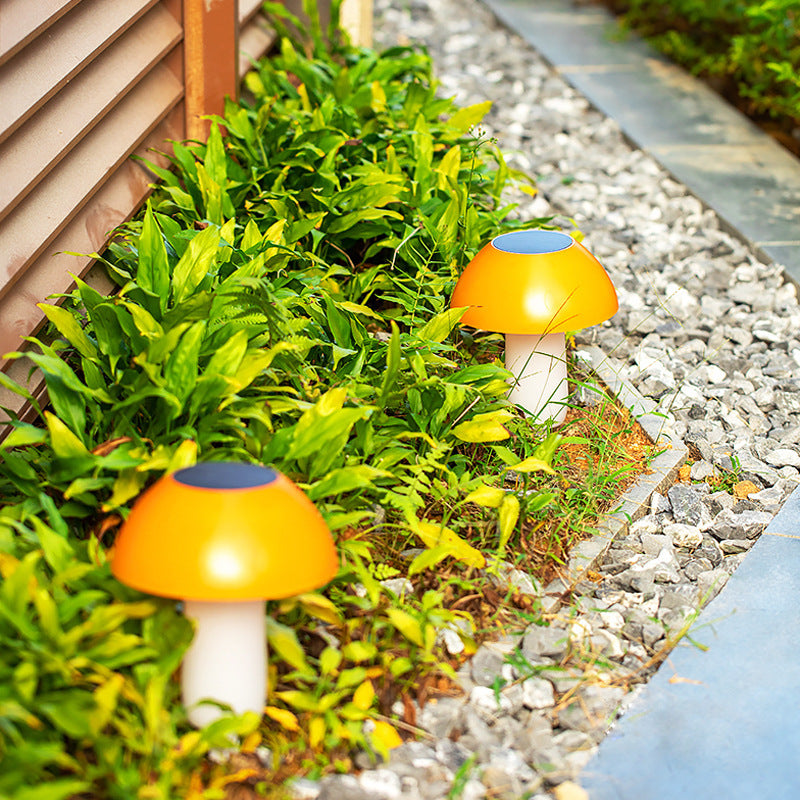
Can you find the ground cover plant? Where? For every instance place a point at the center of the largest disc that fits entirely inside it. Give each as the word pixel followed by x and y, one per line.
pixel 750 51
pixel 283 299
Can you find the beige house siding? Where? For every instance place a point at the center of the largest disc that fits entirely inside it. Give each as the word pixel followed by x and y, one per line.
pixel 84 84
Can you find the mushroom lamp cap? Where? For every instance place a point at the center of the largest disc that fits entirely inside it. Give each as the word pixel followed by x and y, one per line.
pixel 224 531
pixel 534 282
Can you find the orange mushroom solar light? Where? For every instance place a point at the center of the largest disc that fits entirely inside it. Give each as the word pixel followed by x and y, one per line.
pixel 533 286
pixel 224 537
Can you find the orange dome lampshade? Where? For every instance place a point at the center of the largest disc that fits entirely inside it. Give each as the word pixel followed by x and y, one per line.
pixel 533 286
pixel 224 537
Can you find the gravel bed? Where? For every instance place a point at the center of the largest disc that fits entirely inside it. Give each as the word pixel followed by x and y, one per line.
pixel 705 330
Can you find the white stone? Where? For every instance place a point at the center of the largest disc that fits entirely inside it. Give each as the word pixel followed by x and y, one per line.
pixel 684 535
pixel 537 693
pixel 783 457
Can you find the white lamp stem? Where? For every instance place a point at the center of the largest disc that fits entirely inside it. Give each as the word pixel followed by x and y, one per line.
pixel 227 660
pixel 539 365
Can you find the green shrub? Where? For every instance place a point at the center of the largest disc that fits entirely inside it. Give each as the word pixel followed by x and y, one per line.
pixel 282 299
pixel 751 48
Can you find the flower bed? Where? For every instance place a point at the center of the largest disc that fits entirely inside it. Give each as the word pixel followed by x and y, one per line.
pixel 283 300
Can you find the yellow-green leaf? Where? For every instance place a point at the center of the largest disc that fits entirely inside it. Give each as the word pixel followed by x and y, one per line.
pixel 449 166
pixel 488 427
pixel 384 738
pixel 533 465
pixel 70 329
pixel 283 717
pixel 303 701
pixel 487 496
pixel 65 443
pixel 283 640
pixel 407 625
pixel 465 118
pixel 185 455
pixel 428 558
pixel 438 328
pixel 317 605
pixel 437 535
pixel 357 308
pixel 23 434
pixel 507 518
pixel 316 732
pixel 378 102
pixel 364 695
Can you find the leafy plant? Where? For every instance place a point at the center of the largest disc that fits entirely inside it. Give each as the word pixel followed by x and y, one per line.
pixel 750 49
pixel 282 299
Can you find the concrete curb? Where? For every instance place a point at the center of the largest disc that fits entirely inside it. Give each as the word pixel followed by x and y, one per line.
pixel 634 503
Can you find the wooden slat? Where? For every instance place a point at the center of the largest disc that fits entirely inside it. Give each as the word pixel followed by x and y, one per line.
pixel 32 225
pixel 36 73
pixel 23 20
pixel 247 10
pixel 256 37
pixel 50 134
pixel 114 203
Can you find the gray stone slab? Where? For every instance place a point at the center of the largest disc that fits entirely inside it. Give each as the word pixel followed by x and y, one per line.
pixel 732 166
pixel 636 99
pixel 721 721
pixel 756 189
pixel 783 254
pixel 570 35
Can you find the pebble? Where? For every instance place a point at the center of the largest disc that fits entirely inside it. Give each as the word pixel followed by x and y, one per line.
pixel 705 330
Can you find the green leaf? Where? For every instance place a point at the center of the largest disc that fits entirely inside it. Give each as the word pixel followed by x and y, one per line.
pixel 346 479
pixel 153 269
pixel 69 327
pixel 182 366
pixel 58 552
pixel 195 264
pixel 438 328
pixel 53 789
pixel 348 221
pixel 69 710
pixel 283 641
pixel 392 364
pixel 466 118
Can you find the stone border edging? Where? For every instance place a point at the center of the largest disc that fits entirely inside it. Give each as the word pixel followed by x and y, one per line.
pixel 587 554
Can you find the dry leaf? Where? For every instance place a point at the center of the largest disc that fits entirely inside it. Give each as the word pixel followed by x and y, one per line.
pixel 570 791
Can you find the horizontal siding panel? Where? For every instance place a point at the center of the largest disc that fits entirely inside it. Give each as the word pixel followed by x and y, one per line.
pixel 256 37
pixel 247 10
pixel 22 20
pixel 113 204
pixel 33 224
pixel 55 129
pixel 38 71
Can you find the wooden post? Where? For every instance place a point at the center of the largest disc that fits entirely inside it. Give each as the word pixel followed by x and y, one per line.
pixel 356 18
pixel 210 60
